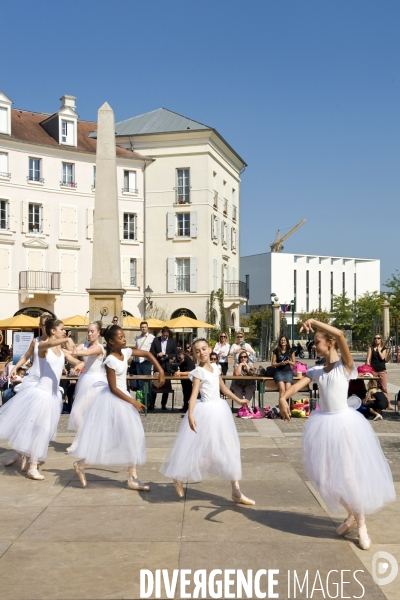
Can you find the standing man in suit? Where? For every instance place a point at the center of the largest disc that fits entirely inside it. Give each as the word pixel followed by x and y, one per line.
pixel 163 348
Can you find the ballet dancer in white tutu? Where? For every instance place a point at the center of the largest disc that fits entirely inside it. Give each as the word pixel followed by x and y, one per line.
pixel 32 377
pixel 341 453
pixel 29 420
pixel 112 432
pixel 207 441
pixel 92 354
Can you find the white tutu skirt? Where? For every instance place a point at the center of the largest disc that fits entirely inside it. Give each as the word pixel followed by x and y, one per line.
pixel 85 393
pixel 29 421
pixel 111 434
pixel 215 448
pixel 343 459
pixel 28 381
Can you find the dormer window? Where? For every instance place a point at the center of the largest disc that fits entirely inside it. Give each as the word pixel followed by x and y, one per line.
pixel 67 132
pixel 3 120
pixel 5 114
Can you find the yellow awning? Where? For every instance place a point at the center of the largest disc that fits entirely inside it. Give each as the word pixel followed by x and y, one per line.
pixel 184 322
pixel 76 321
pixel 20 322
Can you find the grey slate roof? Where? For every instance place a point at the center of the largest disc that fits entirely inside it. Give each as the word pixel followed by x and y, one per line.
pixel 161 120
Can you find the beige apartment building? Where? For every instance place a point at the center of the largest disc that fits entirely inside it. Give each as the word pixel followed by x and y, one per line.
pixel 192 212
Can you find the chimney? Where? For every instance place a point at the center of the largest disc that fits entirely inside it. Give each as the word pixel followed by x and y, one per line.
pixel 68 101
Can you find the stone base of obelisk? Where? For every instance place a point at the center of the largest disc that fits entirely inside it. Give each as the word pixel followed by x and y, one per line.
pixel 105 301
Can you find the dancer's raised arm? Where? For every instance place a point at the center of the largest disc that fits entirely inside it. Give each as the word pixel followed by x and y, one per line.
pixel 336 334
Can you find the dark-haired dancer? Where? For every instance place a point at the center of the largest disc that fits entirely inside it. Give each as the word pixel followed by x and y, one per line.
pixel 92 353
pixel 112 432
pixel 341 453
pixel 207 440
pixel 29 421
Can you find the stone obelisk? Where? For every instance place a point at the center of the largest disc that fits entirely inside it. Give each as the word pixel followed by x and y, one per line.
pixel 106 292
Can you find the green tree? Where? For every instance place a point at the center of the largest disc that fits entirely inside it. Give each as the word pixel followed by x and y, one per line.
pixel 319 314
pixel 368 308
pixel 393 285
pixel 342 313
pixel 254 322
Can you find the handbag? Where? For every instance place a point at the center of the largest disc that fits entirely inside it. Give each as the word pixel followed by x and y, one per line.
pixel 365 369
pixel 270 371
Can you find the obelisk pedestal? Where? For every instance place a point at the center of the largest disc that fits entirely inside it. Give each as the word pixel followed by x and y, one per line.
pixel 106 291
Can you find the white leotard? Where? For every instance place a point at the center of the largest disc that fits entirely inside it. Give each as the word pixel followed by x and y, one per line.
pixel 94 361
pixel 333 386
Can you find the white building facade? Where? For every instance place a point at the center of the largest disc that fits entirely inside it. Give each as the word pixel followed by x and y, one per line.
pixel 310 280
pixel 47 190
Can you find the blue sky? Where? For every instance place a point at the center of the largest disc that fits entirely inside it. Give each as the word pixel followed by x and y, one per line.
pixel 306 91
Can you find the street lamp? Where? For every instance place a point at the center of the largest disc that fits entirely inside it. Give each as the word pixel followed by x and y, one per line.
pixel 292 304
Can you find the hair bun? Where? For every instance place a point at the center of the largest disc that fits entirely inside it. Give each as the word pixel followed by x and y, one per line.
pixel 103 331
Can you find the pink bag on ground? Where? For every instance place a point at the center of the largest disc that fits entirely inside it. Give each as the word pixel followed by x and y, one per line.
pixel 301 367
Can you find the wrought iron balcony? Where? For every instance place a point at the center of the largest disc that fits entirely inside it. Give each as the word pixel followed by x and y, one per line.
pixel 235 289
pixel 34 179
pixel 182 195
pixel 69 184
pixel 39 280
pixel 128 190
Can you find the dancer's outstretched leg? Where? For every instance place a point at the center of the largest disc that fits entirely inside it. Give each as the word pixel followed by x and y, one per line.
pixel 134 483
pixel 179 488
pixel 79 467
pixel 237 495
pixel 33 472
pixel 364 541
pixel 348 523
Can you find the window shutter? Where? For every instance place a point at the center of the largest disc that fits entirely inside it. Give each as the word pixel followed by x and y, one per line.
pixel 3 162
pixel 35 260
pixel 25 217
pixel 126 270
pixel 121 225
pixel 139 272
pixel 215 274
pixel 4 268
pixel 12 215
pixel 218 229
pixel 193 274
pixel 170 225
pixel 89 223
pixel 212 227
pixel 68 271
pixel 139 228
pixel 132 180
pixel 193 224
pixel 46 219
pixel 228 273
pixel 170 275
pixel 68 221
pixel 228 231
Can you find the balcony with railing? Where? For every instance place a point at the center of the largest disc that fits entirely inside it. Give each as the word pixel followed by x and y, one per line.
pixel 34 179
pixel 182 195
pixel 235 289
pixel 182 283
pixel 128 190
pixel 39 280
pixel 69 184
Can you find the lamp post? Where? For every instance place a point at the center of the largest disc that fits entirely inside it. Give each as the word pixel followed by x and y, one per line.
pixel 292 304
pixel 386 322
pixel 148 303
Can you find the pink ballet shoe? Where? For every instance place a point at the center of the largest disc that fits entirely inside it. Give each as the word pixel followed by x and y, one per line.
pixel 241 499
pixel 137 485
pixel 364 542
pixel 79 470
pixel 34 474
pixel 345 527
pixel 15 458
pixel 179 488
pixel 377 418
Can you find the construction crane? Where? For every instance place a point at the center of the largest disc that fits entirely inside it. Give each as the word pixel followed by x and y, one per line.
pixel 278 245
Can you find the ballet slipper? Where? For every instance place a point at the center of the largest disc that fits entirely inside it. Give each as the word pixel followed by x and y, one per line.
pixel 68 450
pixel 344 527
pixel 24 463
pixel 137 485
pixel 377 418
pixel 179 488
pixel 364 541
pixel 15 458
pixel 33 473
pixel 79 470
pixel 241 499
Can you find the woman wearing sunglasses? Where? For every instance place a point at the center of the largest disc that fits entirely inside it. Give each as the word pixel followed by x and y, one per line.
pixel 240 345
pixel 376 358
pixel 222 348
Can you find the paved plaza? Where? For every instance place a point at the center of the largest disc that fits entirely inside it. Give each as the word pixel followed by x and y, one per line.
pixel 59 541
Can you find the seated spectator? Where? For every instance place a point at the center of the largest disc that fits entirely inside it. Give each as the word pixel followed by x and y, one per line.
pixel 245 388
pixel 5 374
pixel 376 400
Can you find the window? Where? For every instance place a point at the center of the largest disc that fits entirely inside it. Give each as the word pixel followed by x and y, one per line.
pixel 129 182
pixel 3 214
pixel 4 165
pixel 355 286
pixel 294 286
pixel 234 213
pixel 247 292
pixel 132 271
pixel 3 120
pixel 319 289
pixel 34 169
pixel 233 238
pixel 225 206
pixel 214 227
pixel 129 226
pixel 35 218
pixel 67 132
pixel 215 205
pixel 94 178
pixel 295 259
pixel 183 188
pixel 182 275
pixel 307 291
pixel 68 175
pixel 183 225
pixel 343 283
pixel 331 290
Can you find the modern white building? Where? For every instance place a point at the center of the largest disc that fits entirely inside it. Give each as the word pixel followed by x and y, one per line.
pixel 310 280
pixel 47 188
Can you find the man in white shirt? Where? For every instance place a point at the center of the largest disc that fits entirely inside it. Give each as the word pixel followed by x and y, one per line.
pixel 239 346
pixel 143 342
